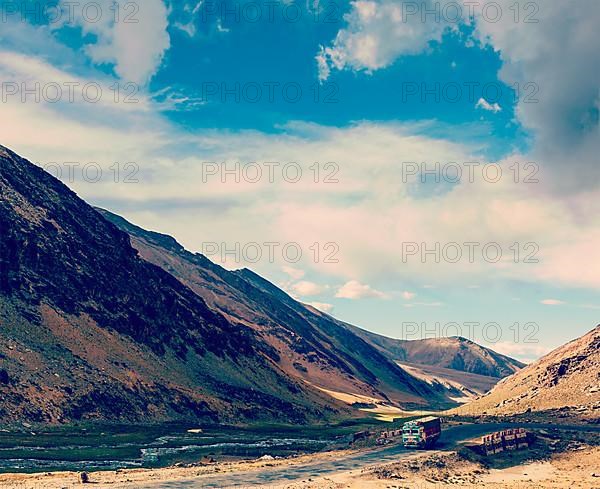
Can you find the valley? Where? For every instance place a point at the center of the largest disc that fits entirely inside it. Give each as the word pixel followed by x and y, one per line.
pixel 132 360
pixel 310 244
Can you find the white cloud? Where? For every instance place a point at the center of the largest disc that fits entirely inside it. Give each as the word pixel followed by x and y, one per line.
pixel 408 295
pixel 555 76
pixel 485 105
pixel 220 27
pixel 551 302
pixel 134 41
pixel 323 64
pixel 378 32
pixel 368 230
pixel 189 28
pixel 355 290
pixel 306 288
pixel 190 11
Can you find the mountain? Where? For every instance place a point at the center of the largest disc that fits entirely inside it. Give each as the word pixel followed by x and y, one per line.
pixel 88 329
pixel 568 377
pixel 92 327
pixel 453 353
pixel 459 386
pixel 311 346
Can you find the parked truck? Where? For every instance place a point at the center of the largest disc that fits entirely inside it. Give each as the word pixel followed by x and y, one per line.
pixel 421 433
pixel 511 439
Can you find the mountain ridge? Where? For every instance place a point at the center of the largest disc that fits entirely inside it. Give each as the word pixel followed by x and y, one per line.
pixel 91 330
pixel 452 352
pixel 443 385
pixel 304 338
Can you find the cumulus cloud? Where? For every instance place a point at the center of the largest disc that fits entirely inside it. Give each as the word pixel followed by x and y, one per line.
pixel 549 56
pixel 134 40
pixel 408 295
pixel 355 290
pixel 376 33
pixel 555 63
pixel 306 288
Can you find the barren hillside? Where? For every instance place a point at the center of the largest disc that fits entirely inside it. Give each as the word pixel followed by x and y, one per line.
pixel 567 377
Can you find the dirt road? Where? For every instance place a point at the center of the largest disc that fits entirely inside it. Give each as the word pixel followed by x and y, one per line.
pixel 320 468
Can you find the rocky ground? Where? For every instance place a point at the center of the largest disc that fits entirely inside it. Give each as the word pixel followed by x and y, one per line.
pixel 567 381
pixel 574 468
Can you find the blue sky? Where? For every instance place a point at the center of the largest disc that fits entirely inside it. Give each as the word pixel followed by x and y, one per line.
pixel 356 91
pixel 273 52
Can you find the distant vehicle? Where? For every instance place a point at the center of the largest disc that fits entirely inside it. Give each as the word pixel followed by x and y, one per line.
pixel 421 433
pixel 511 439
pixel 360 435
pixel 388 436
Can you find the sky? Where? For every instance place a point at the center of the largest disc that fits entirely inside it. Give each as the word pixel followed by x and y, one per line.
pixel 418 169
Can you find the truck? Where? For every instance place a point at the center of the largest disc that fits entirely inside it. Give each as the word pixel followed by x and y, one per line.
pixel 421 433
pixel 511 439
pixel 388 436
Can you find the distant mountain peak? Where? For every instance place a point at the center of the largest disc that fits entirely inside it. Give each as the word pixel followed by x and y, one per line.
pixel 454 352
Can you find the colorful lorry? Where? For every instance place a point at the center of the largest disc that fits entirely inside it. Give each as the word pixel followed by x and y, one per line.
pixel 511 439
pixel 421 433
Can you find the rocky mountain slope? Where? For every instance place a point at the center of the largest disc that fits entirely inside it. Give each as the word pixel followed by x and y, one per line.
pixel 568 377
pixel 92 327
pixel 454 353
pixel 310 345
pixel 88 329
